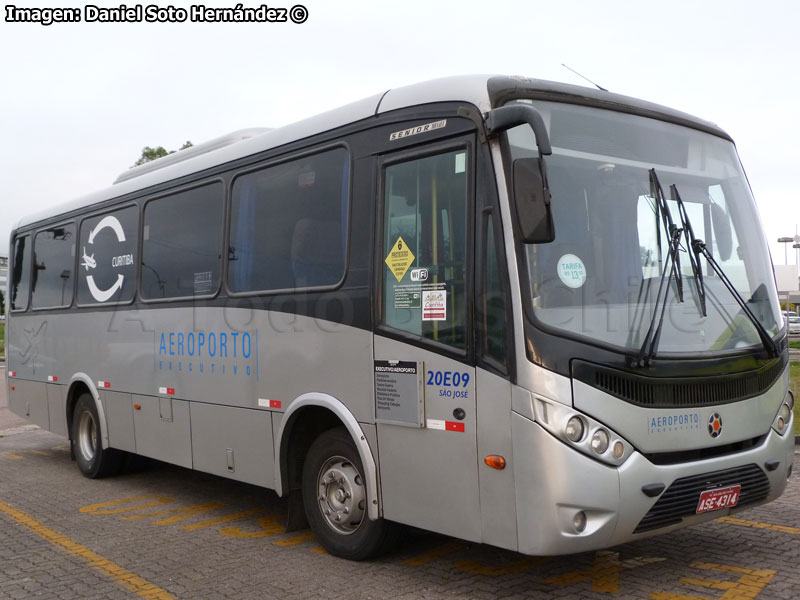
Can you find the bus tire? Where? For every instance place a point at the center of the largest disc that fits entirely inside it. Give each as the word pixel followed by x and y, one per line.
pixel 335 500
pixel 93 460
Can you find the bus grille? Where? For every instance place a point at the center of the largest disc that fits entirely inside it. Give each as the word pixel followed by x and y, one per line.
pixel 678 392
pixel 681 498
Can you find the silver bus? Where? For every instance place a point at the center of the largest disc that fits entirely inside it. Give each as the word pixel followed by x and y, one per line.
pixel 517 312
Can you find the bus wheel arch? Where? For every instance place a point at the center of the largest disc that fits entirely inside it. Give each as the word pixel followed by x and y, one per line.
pixel 334 495
pixel 308 417
pixel 79 385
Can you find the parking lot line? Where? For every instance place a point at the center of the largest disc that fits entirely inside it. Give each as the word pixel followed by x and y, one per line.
pixel 757 525
pixel 122 576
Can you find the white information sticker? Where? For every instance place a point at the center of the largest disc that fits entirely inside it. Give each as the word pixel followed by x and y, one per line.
pixel 571 271
pixel 434 305
pixel 461 162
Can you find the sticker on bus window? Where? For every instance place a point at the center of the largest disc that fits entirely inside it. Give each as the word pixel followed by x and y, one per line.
pixel 203 282
pixel 400 258
pixel 434 305
pixel 571 271
pixel 407 298
pixel 461 162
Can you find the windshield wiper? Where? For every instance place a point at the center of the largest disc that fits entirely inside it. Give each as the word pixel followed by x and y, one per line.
pixel 699 247
pixel 694 256
pixel 672 263
pixel 662 209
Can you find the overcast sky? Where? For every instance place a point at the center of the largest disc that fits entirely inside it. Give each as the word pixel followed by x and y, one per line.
pixel 79 101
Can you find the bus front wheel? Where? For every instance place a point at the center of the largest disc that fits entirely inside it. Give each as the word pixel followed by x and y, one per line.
pixel 335 500
pixel 93 460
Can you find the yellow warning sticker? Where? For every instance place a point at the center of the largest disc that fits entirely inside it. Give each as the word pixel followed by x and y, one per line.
pixel 400 258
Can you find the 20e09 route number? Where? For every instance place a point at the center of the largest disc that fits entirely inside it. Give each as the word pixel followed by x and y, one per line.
pixel 447 379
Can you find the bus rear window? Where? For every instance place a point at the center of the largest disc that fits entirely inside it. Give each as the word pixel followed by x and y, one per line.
pixel 289 225
pixel 20 273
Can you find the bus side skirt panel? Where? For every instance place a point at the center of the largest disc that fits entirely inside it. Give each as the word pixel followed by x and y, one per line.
pixel 353 427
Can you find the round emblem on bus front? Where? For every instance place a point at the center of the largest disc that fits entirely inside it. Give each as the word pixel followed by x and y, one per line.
pixel 714 425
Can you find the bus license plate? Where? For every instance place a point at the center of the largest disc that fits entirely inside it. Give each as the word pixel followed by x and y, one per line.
pixel 718 498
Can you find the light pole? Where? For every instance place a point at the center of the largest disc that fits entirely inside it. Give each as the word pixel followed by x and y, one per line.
pixel 784 241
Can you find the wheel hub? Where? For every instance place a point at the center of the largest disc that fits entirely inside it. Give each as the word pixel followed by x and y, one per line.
pixel 341 495
pixel 87 436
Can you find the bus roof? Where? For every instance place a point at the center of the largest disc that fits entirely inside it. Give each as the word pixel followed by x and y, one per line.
pixel 483 91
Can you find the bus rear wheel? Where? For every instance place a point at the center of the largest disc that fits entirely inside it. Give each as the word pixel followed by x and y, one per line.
pixel 93 460
pixel 335 500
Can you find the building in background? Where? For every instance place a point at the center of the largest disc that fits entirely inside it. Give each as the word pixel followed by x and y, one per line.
pixel 3 273
pixel 786 277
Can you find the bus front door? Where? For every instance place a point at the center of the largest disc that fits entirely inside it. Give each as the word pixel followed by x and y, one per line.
pixel 425 382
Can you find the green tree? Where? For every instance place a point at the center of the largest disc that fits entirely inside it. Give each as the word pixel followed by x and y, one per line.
pixel 150 154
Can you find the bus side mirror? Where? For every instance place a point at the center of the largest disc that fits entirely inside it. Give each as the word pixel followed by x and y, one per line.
pixel 532 202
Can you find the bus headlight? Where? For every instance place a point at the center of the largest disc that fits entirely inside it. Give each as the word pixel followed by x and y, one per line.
pixel 574 429
pixel 580 431
pixel 619 449
pixel 600 441
pixel 784 416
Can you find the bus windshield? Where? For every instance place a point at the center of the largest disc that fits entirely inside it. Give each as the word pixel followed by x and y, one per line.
pixel 599 278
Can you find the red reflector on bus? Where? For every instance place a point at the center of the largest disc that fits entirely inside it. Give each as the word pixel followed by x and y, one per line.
pixel 170 391
pixel 52 378
pixel 12 373
pixel 274 403
pixel 167 391
pixel 453 426
pixel 104 384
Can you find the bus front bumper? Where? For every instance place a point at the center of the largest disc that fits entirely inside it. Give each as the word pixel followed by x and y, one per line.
pixel 554 483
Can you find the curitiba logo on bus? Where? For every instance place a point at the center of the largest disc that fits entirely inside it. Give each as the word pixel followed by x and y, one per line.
pixel 216 353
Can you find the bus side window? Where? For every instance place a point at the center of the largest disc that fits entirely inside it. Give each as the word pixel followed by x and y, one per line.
pixel 288 226
pixel 107 256
pixel 425 247
pixel 53 266
pixel 182 242
pixel 20 281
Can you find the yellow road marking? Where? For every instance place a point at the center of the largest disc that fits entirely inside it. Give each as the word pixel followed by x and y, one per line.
pixel 12 455
pixel 298 539
pixel 181 514
pixel 747 587
pixel 520 566
pixel 133 582
pixel 434 553
pixel 225 519
pixel 270 525
pixel 757 525
pixel 102 507
pixel 604 573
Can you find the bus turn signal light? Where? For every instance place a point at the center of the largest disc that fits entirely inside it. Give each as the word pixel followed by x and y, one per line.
pixel 137 406
pixel 495 461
